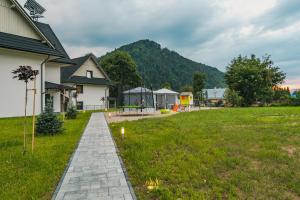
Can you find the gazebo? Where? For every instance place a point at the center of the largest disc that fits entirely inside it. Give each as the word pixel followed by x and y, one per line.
pixel 166 98
pixel 139 97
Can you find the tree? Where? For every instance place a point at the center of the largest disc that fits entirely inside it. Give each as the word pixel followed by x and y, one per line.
pixel 232 98
pixel 166 85
pixel 281 94
pixel 48 122
pixel 122 70
pixel 187 88
pixel 26 74
pixel 198 83
pixel 253 78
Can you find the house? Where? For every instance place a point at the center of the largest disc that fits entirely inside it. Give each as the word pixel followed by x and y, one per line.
pixel 27 42
pixel 90 80
pixel 166 98
pixel 214 95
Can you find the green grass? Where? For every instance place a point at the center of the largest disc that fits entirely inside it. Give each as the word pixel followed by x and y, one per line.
pixel 35 176
pixel 250 153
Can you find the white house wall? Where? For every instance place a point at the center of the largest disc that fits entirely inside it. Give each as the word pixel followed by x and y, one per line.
pixel 13 90
pixel 92 96
pixel 89 65
pixel 52 73
pixel 12 22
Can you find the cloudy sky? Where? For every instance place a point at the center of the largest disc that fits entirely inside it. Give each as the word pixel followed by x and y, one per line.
pixel 208 31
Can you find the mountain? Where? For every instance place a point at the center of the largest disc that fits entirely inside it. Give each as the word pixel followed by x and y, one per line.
pixel 158 65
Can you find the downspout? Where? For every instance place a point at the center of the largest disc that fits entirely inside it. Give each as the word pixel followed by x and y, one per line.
pixel 42 83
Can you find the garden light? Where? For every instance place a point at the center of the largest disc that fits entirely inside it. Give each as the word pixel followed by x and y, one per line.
pixel 123 132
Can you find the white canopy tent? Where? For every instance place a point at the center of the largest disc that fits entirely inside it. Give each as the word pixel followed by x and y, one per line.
pixel 166 98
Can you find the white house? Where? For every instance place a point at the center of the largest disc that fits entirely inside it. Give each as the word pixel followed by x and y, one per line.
pixel 26 42
pixel 90 80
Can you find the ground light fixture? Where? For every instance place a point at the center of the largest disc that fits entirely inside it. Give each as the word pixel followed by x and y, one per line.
pixel 122 132
pixel 109 115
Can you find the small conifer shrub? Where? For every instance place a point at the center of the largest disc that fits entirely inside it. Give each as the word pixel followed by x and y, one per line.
pixel 71 112
pixel 48 122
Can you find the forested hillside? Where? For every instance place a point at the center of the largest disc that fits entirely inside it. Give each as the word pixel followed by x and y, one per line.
pixel 158 66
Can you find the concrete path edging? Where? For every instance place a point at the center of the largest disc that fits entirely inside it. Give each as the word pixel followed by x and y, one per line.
pixel 95 170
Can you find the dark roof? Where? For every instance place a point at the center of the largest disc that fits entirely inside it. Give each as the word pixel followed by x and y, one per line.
pixel 48 32
pixel 55 86
pixel 26 44
pixel 63 60
pixel 90 81
pixel 67 72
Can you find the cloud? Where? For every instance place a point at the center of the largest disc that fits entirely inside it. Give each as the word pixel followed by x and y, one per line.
pixel 209 31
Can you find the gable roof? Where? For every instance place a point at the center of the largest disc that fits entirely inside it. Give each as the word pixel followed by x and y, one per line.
pixel 137 90
pixel 165 91
pixel 49 45
pixel 67 72
pixel 20 43
pixel 30 21
pixel 48 32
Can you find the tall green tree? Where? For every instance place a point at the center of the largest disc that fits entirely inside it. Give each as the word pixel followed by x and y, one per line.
pixel 186 88
pixel 198 83
pixel 253 78
pixel 122 70
pixel 232 98
pixel 198 86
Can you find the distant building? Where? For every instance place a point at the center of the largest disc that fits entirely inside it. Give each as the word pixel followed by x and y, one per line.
pixel 214 95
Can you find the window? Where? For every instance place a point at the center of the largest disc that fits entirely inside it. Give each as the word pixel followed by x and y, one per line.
pixel 79 89
pixel 79 105
pixel 89 74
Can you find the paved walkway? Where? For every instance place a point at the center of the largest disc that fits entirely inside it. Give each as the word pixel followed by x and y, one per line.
pixel 95 171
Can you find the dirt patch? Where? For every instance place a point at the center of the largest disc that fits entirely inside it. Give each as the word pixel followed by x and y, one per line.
pixel 255 164
pixel 290 150
pixel 117 117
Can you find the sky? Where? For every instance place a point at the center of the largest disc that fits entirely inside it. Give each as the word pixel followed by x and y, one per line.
pixel 212 32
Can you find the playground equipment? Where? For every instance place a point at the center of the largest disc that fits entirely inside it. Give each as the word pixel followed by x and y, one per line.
pixel 138 99
pixel 186 100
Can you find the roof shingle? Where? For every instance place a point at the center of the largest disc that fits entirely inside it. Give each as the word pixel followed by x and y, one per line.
pixel 26 44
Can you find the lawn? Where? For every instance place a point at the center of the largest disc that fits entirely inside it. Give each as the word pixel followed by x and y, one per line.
pixel 244 153
pixel 35 176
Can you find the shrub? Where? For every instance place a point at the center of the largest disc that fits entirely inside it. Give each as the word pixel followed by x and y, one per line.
pixel 48 122
pixel 232 98
pixel 165 111
pixel 71 112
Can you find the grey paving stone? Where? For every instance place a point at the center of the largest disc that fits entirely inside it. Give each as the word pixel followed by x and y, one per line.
pixel 95 171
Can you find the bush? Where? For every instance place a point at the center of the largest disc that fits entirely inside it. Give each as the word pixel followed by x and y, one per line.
pixel 165 111
pixel 48 122
pixel 232 98
pixel 71 112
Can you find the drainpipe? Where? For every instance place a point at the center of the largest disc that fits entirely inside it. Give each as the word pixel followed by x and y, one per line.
pixel 42 83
